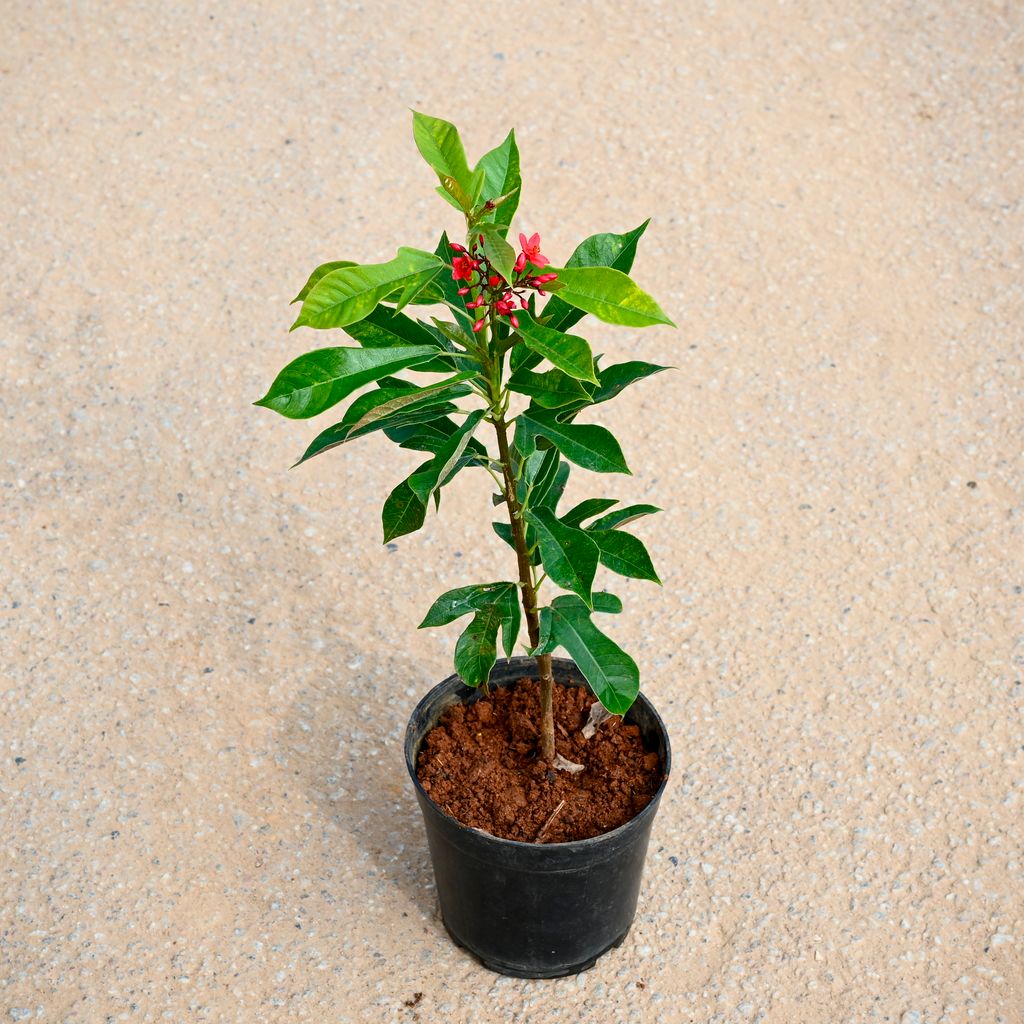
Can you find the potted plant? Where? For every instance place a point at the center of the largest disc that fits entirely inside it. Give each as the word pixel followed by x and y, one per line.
pixel 538 800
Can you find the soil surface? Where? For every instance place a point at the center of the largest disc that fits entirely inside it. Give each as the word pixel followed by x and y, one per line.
pixel 480 765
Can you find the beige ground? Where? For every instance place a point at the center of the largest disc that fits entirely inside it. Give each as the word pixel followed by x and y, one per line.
pixel 208 661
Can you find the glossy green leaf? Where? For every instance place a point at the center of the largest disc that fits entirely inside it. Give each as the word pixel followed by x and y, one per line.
pixel 586 509
pixel 448 460
pixel 499 253
pixel 388 407
pixel 322 271
pixel 452 332
pixel 317 380
pixel 550 390
pixel 501 173
pixel 440 145
pixel 403 512
pixel 589 446
pixel 476 650
pixel 614 378
pixel 537 475
pixel 504 531
pixel 345 296
pixel 449 198
pixel 622 516
pixel 523 358
pixel 432 437
pixel 511 611
pixel 453 604
pixel 387 328
pixel 623 553
pixel 547 481
pixel 569 555
pixel 607 603
pixel 611 672
pixel 566 352
pixel 603 250
pixel 553 495
pixel 609 294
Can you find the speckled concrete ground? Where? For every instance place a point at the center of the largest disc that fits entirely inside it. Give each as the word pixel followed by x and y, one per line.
pixel 208 661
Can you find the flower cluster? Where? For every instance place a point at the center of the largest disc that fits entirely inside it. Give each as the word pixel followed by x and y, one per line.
pixel 492 290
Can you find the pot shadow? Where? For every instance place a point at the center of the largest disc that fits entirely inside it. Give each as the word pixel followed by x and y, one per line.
pixel 348 731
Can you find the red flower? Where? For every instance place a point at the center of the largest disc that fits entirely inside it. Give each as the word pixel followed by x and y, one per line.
pixel 505 304
pixel 531 249
pixel 462 268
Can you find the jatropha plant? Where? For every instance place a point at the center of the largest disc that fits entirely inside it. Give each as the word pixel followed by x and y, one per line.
pixel 503 344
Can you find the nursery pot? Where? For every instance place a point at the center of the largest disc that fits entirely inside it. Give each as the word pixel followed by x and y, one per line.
pixel 529 910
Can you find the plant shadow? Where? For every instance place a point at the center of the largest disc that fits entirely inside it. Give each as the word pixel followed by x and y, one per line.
pixel 348 731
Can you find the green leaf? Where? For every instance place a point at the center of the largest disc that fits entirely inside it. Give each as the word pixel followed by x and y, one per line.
pixel 609 294
pixel 622 516
pixel 448 460
pixel 608 250
pixel 607 603
pixel 348 295
pixel 317 380
pixel 569 555
pixel 453 604
pixel 567 352
pixel 449 198
pixel 386 328
pixel 403 512
pixel 551 497
pixel 388 407
pixel 604 250
pixel 504 531
pixel 452 332
pixel 589 446
pixel 322 271
pixel 550 390
pixel 511 612
pixel 501 176
pixel 432 437
pixel 586 509
pixel 523 358
pixel 623 553
pixel 612 673
pixel 476 650
pixel 439 144
pixel 615 378
pixel 499 253
pixel 537 476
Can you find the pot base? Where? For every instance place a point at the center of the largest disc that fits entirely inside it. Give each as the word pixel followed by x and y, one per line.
pixel 513 971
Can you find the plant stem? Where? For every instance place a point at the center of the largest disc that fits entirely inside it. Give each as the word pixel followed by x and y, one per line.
pixel 528 593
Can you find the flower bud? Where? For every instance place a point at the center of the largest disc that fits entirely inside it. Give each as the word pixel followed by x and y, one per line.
pixel 478 325
pixel 456 247
pixel 520 263
pixel 513 320
pixel 494 280
pixel 463 291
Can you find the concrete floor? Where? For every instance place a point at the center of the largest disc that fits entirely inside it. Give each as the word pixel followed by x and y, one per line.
pixel 208 661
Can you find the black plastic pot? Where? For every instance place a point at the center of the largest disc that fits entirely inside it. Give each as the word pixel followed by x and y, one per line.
pixel 534 911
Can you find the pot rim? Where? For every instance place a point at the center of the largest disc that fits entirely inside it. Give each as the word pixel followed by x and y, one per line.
pixel 556 664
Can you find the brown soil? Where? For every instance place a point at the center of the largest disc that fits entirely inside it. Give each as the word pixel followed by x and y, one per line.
pixel 480 765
